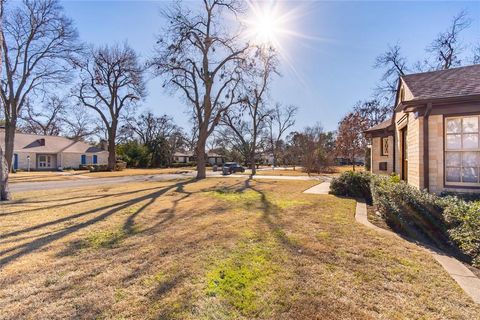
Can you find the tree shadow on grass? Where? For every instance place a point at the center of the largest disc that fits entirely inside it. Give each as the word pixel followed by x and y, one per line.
pixel 84 199
pixel 271 217
pixel 6 256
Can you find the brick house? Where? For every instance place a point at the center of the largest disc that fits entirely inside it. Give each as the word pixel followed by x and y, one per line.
pixel 38 152
pixel 189 157
pixel 432 140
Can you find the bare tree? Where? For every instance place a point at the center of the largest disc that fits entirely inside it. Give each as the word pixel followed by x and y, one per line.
pixel 280 120
pixel 38 40
pixel 447 46
pixel 191 138
pixel 111 81
pixel 48 120
pixel 476 54
pixel 350 142
pixel 247 123
pixel 203 58
pixel 312 148
pixel 372 111
pixel 79 125
pixel 4 192
pixel 394 65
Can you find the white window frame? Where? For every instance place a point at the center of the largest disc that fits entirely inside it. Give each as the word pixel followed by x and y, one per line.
pixel 462 151
pixel 45 164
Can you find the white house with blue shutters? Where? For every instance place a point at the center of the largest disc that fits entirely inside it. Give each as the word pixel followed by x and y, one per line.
pixel 37 152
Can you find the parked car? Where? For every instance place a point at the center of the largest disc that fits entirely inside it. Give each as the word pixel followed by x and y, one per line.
pixel 232 167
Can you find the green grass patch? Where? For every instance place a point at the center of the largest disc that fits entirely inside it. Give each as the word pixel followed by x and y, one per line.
pixel 157 278
pixel 240 196
pixel 243 278
pixel 107 239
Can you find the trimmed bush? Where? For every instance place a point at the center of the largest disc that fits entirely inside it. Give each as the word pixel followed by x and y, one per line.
pixel 352 184
pixel 182 164
pixel 450 222
pixel 463 220
pixel 410 211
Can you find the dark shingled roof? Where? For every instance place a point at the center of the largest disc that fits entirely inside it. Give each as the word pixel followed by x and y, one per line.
pixel 382 125
pixel 455 82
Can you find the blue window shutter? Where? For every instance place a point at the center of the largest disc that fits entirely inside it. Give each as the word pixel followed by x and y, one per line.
pixel 15 161
pixel 83 159
pixel 95 159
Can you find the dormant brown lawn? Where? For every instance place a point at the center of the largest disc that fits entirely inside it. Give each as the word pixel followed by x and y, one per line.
pixel 215 249
pixel 39 176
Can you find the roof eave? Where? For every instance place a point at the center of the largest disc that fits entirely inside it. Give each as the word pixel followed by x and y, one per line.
pixel 412 105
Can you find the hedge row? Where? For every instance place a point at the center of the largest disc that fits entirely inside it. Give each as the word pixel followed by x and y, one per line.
pixel 449 222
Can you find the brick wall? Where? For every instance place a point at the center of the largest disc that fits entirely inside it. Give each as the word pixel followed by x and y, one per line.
pixel 414 147
pixel 73 160
pixel 23 160
pixel 415 151
pixel 435 153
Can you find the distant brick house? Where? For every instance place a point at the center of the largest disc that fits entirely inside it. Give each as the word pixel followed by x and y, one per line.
pixel 37 152
pixel 189 157
pixel 432 140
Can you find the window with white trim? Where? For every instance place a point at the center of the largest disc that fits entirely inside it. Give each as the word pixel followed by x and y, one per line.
pixel 462 151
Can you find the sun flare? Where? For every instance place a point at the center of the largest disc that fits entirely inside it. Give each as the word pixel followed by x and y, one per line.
pixel 265 26
pixel 275 24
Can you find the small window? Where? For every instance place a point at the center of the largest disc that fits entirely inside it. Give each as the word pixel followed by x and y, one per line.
pixel 384 146
pixel 382 166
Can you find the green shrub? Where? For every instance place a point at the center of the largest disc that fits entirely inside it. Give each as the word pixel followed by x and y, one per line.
pixel 410 210
pixel 352 184
pixel 463 221
pixel 134 154
pixel 449 222
pixel 182 164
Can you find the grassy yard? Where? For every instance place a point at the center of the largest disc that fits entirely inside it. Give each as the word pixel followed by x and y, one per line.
pixel 215 249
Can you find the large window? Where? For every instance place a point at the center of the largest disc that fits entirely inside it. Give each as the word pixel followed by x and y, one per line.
pixel 462 151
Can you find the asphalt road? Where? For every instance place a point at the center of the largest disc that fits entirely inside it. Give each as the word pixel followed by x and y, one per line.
pixel 48 185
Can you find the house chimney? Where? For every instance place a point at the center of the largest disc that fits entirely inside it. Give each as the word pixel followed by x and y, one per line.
pixel 103 144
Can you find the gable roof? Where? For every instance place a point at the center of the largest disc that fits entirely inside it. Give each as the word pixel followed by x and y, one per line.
pixel 51 144
pixel 456 82
pixel 381 126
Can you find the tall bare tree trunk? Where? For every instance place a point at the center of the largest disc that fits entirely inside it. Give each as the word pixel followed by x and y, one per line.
pixel 4 192
pixel 9 142
pixel 200 153
pixel 253 163
pixel 4 166
pixel 112 157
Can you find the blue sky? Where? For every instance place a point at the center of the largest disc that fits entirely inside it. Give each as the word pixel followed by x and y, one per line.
pixel 332 71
